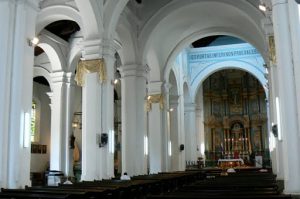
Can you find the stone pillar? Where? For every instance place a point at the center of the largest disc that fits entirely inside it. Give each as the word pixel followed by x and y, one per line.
pixel 167 127
pixel 190 132
pixel 109 50
pixel 60 123
pixel 16 61
pixel 156 151
pixel 98 111
pixel 92 157
pixel 70 95
pixel 200 124
pixel 294 17
pixel 91 128
pixel 287 99
pixel 133 87
pixel 174 133
pixel 181 131
pixel 275 144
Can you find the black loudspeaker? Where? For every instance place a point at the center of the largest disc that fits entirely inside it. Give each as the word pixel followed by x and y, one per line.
pixel 72 142
pixel 181 147
pixel 103 139
pixel 275 130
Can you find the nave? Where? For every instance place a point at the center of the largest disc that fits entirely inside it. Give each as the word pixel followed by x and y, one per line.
pixel 204 183
pixel 96 88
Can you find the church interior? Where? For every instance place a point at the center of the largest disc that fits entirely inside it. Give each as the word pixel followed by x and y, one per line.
pixel 199 98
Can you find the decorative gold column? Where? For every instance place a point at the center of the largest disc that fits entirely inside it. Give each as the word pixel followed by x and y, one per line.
pixel 90 66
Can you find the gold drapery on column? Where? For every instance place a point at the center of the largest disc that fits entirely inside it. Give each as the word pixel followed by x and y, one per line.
pixel 158 98
pixel 90 66
pixel 272 51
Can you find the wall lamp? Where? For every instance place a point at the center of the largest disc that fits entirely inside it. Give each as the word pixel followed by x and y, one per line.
pixel 34 41
pixel 117 78
pixel 171 110
pixel 262 7
pixel 76 123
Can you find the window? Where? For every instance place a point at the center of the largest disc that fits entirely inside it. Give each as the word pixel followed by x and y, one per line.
pixel 33 122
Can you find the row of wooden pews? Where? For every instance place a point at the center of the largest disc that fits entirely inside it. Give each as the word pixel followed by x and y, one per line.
pixel 219 185
pixel 137 188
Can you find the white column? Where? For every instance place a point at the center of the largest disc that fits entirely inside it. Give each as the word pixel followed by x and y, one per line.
pixel 181 133
pixel 98 114
pixel 276 150
pixel 156 158
pixel 294 16
pixel 91 128
pixel 16 61
pixel 190 132
pixel 167 128
pixel 275 144
pixel 287 99
pixel 174 133
pixel 133 88
pixel 92 156
pixel 70 94
pixel 107 111
pixel 59 139
pixel 200 124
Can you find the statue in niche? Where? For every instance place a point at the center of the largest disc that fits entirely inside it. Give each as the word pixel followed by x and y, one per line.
pixel 237 135
pixel 235 98
pixel 235 101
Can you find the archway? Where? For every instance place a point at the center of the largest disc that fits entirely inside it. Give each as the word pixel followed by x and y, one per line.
pixel 235 118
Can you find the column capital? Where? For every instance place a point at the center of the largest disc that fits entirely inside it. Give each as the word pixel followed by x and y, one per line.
pixel 98 48
pixel 190 107
pixel 167 86
pixel 91 49
pixel 110 47
pixel 133 70
pixel 62 77
pixel 155 87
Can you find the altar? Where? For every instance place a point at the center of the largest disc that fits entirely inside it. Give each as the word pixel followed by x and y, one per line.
pixel 229 163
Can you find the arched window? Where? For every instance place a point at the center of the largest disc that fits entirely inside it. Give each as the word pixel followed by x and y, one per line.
pixel 33 122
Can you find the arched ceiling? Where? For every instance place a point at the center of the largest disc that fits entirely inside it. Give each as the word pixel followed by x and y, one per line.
pixel 164 25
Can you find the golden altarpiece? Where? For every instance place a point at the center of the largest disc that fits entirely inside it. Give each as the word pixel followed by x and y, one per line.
pixel 235 117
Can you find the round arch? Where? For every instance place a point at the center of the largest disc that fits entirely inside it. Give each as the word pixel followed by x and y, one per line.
pixel 40 71
pixel 241 65
pixel 55 13
pixel 199 35
pixel 169 25
pixel 54 53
